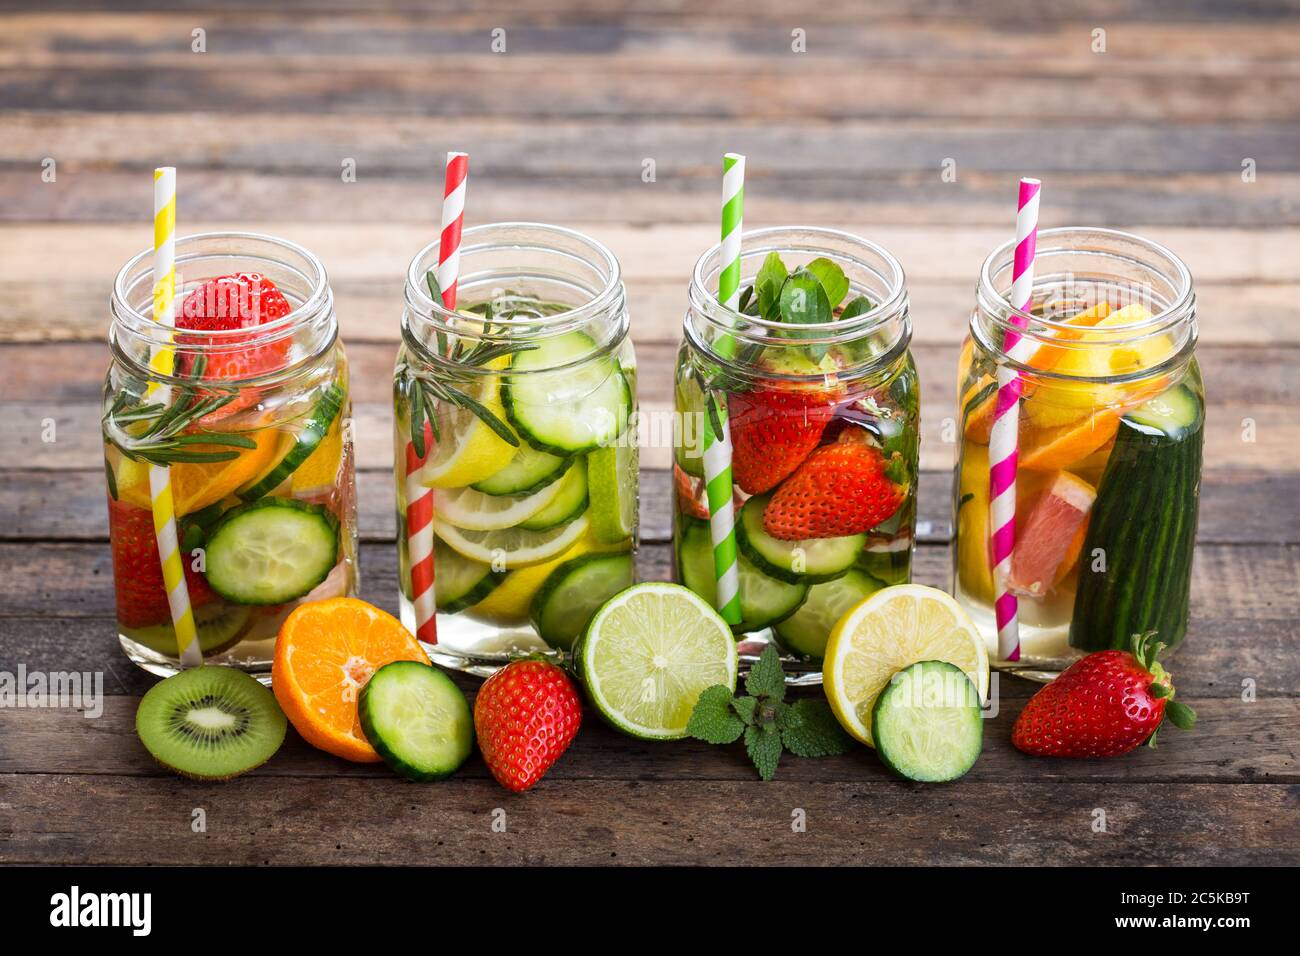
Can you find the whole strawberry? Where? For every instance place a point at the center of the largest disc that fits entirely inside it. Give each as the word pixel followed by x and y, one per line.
pixel 842 489
pixel 774 427
pixel 1102 706
pixel 137 572
pixel 525 716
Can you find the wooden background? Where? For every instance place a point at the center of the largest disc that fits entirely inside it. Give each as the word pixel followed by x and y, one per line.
pixel 1150 135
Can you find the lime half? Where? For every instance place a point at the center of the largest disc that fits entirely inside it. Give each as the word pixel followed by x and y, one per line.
pixel 649 653
pixel 894 628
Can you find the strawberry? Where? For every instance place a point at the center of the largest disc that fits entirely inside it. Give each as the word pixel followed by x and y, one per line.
pixel 1102 706
pixel 241 301
pixel 137 572
pixel 773 429
pixel 690 494
pixel 840 489
pixel 525 716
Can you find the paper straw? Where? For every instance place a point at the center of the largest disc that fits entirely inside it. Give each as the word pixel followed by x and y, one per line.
pixel 163 363
pixel 419 499
pixel 717 446
pixel 1004 441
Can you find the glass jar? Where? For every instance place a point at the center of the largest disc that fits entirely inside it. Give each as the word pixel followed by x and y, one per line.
pixel 253 426
pixel 516 449
pixel 823 422
pixel 1110 421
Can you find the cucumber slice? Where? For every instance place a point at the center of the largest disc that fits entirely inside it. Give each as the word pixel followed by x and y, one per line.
pixel 798 562
pixel 417 719
pixel 763 600
pixel 220 626
pixel 574 592
pixel 271 551
pixel 529 470
pixel 315 426
pixel 569 502
pixel 927 724
pixel 613 480
pixel 460 582
pixel 807 629
pixel 1174 413
pixel 571 409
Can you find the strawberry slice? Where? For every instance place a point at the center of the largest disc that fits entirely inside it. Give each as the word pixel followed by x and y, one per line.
pixel 690 494
pixel 245 300
pixel 137 572
pixel 841 489
pixel 773 429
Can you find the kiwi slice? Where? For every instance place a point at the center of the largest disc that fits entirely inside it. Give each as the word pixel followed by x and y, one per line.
pixel 219 625
pixel 210 723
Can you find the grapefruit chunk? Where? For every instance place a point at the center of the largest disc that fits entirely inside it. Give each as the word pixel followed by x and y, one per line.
pixel 1050 538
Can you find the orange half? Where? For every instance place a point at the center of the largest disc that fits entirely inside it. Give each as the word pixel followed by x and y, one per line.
pixel 325 654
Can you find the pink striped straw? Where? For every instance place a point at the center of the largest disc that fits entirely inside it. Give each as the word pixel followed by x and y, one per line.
pixel 1004 442
pixel 419 499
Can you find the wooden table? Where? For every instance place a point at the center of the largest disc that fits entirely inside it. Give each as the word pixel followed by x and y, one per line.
pixel 1153 134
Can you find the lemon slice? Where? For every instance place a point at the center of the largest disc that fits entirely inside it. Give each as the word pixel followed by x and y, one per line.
pixel 893 629
pixel 474 511
pixel 466 449
pixel 509 548
pixel 509 602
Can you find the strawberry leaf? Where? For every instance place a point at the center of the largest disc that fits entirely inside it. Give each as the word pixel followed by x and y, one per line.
pixel 1180 715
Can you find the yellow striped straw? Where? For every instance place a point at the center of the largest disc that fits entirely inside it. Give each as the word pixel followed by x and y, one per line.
pixel 163 362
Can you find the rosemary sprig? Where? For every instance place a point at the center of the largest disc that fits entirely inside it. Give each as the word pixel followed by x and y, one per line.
pixel 165 435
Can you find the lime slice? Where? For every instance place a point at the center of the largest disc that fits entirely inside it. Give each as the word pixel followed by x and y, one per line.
pixel 467 450
pixel 893 629
pixel 612 481
pixel 649 653
pixel 475 511
pixel 510 548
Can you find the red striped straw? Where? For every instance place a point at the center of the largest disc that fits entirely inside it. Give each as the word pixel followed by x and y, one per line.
pixel 1004 442
pixel 419 499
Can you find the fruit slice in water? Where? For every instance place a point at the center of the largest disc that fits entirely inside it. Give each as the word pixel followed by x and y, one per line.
pixel 890 630
pixel 974 566
pixel 417 719
pixel 1049 541
pixel 763 600
pixel 569 502
pixel 574 591
pixel 459 582
pixel 305 443
pixel 467 450
pixel 807 629
pixel 271 551
pixel 219 626
pixel 528 471
pixel 474 511
pixel 510 548
pixel 927 724
pixel 210 723
pixel 325 653
pixel 612 482
pixel 649 653
pixel 798 562
pixel 196 485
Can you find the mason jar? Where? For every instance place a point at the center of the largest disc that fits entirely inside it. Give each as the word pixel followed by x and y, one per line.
pixel 1106 474
pixel 250 420
pixel 823 421
pixel 516 451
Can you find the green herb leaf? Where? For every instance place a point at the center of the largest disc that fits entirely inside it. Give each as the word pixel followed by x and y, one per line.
pixel 745 708
pixel 771 277
pixel 112 479
pixel 763 744
pixel 832 279
pixel 484 414
pixel 1180 715
pixel 746 296
pixel 804 302
pixel 712 719
pixel 809 729
pixel 857 306
pixel 766 678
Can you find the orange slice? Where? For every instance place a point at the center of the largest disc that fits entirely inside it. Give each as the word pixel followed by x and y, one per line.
pixel 195 485
pixel 1047 357
pixel 324 655
pixel 1052 449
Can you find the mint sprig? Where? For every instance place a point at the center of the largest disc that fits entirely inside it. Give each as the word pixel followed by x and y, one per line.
pixel 806 728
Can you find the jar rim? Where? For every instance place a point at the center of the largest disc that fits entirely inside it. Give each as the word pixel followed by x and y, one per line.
pixel 140 323
pixel 730 319
pixel 476 238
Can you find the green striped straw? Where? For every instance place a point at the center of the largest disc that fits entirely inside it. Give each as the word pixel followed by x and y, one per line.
pixel 717 442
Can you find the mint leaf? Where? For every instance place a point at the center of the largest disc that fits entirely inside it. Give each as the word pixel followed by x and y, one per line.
pixel 766 678
pixel 768 283
pixel 763 744
pixel 809 729
pixel 744 708
pixel 712 719
pixel 831 276
pixel 803 300
pixel 857 306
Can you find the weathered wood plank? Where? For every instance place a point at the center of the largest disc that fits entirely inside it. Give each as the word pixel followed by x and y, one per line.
pixel 56 604
pixel 62 819
pixel 1233 742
